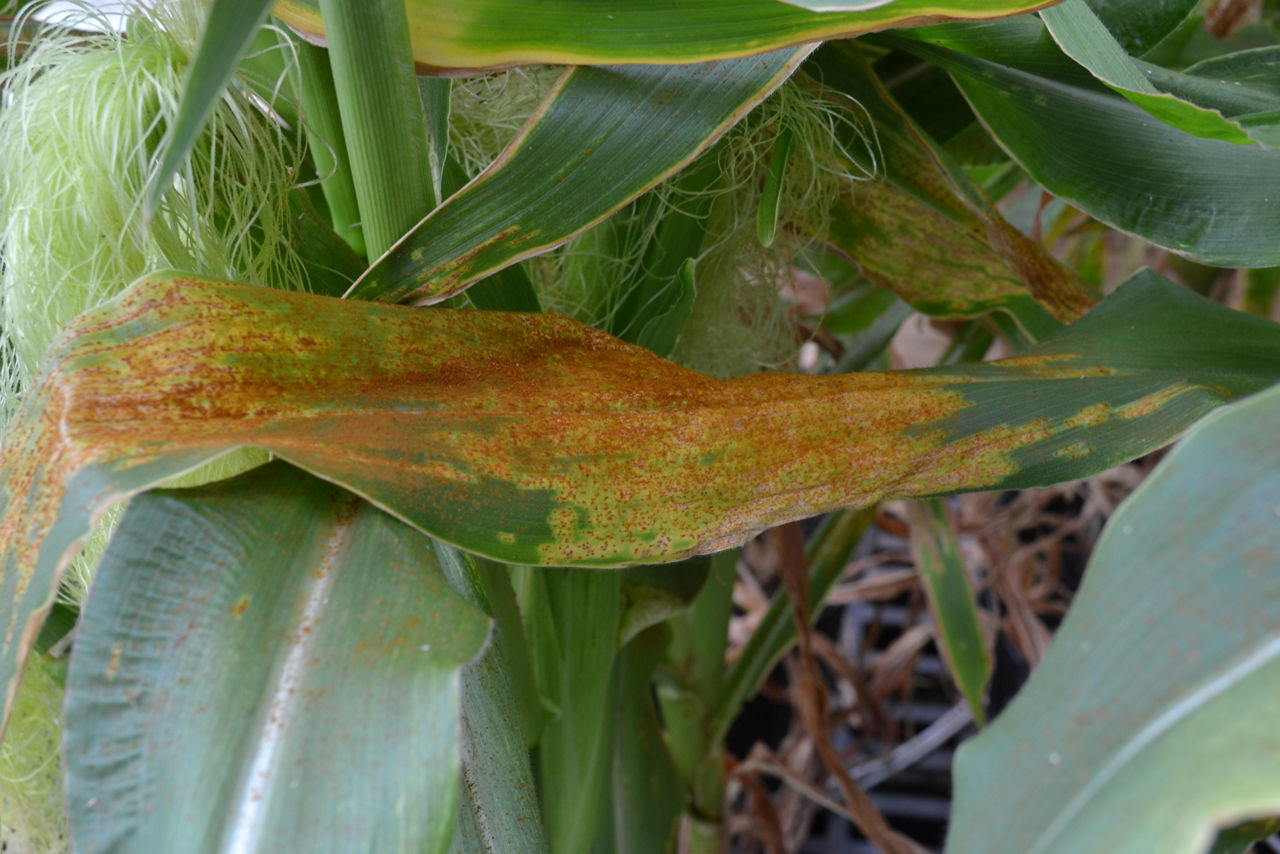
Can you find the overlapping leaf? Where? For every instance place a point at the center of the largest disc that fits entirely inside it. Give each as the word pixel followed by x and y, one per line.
pixel 955 614
pixel 533 439
pixel 1139 25
pixel 498 804
pixel 449 36
pixel 229 30
pixel 255 648
pixel 1210 199
pixel 926 232
pixel 1141 731
pixel 1214 109
pixel 939 267
pixel 602 137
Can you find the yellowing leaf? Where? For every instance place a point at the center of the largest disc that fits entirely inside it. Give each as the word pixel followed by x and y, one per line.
pixel 449 36
pixel 534 439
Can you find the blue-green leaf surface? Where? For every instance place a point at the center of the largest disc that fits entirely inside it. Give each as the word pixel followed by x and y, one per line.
pixel 263 665
pixel 1148 725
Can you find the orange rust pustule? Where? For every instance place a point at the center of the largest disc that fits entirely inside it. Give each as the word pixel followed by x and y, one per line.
pixel 530 438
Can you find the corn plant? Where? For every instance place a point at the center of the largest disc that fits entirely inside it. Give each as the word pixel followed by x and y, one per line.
pixel 445 354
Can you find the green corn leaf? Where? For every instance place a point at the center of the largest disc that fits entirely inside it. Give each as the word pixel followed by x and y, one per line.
pixel 1245 85
pixel 533 439
pixel 1140 729
pixel 1139 25
pixel 1239 839
pixel 837 5
pixel 660 293
pixel 383 119
pixel 603 137
pixel 1084 38
pixel 497 803
pixel 479 34
pixel 648 797
pixel 1209 199
pixel 328 145
pixel 767 216
pixel 228 31
pixel 573 635
pixel 221 687
pixel 959 631
pixel 660 331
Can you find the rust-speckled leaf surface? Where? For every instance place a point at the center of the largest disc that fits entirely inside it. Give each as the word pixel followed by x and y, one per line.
pixel 534 439
pixel 925 230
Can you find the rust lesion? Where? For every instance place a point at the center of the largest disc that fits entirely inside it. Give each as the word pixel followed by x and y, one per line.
pixel 599 452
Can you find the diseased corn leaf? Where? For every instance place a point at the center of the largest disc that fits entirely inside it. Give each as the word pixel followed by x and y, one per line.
pixel 927 232
pixel 1206 107
pixel 1140 731
pixel 450 37
pixel 253 648
pixel 536 440
pixel 1206 198
pixel 602 137
pixel 955 614
pixel 941 268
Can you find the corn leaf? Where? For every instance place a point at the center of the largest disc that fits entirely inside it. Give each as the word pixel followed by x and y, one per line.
pixel 383 121
pixel 1207 107
pixel 955 613
pixel 450 36
pixel 223 686
pixel 927 232
pixel 1140 730
pixel 646 805
pixel 497 805
pixel 838 5
pixel 1139 25
pixel 536 440
pixel 603 137
pixel 1207 198
pixel 939 267
pixel 228 31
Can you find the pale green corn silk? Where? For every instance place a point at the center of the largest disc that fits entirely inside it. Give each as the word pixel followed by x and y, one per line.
pixel 79 134
pixel 32 818
pixel 81 119
pixel 739 323
pixel 80 125
pixel 487 110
